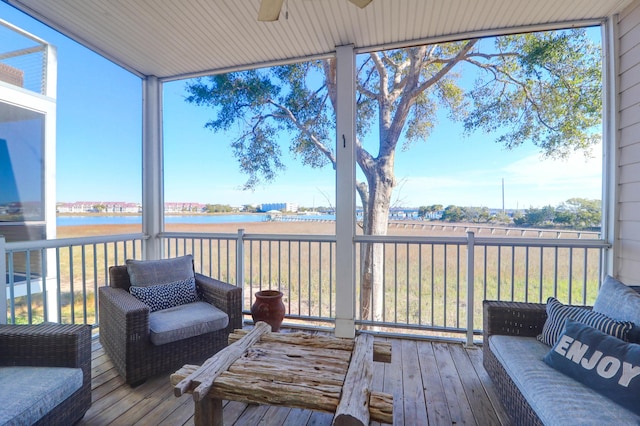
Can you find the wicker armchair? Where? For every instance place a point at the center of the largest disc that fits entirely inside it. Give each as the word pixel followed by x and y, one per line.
pixel 52 345
pixel 124 328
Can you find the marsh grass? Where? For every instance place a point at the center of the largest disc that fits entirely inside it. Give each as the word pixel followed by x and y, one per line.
pixel 70 282
pixel 425 285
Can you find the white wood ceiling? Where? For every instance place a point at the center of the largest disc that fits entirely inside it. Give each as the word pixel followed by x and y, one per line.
pixel 173 38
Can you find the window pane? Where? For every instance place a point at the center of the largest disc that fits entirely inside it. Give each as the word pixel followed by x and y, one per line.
pixel 21 164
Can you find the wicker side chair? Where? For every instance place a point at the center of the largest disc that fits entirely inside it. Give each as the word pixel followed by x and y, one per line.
pixel 124 328
pixel 52 345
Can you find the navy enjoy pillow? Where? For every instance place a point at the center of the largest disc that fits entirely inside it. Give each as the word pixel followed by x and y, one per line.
pixel 557 313
pixel 602 362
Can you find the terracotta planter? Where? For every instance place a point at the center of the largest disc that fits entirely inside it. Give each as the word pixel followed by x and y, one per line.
pixel 268 307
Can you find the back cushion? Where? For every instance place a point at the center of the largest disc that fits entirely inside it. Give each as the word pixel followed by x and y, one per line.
pixel 618 301
pixel 144 273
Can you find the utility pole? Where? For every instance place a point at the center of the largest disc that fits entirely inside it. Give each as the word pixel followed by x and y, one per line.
pixel 503 211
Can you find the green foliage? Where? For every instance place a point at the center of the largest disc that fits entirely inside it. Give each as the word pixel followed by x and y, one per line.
pixel 575 213
pixel 539 217
pixel 476 214
pixel 545 88
pixel 453 214
pixel 501 218
pixel 580 213
pixel 467 214
pixel 218 208
pixel 424 211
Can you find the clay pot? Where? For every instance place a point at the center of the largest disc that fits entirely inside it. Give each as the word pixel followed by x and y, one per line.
pixel 268 307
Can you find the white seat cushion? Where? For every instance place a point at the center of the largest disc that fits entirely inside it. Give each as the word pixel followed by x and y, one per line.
pixel 557 399
pixel 184 321
pixel 28 393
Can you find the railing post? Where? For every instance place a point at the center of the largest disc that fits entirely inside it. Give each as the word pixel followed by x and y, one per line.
pixel 240 262
pixel 50 291
pixel 3 280
pixel 470 285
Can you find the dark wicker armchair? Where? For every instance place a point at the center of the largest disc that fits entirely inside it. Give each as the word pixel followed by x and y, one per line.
pixel 124 328
pixel 52 345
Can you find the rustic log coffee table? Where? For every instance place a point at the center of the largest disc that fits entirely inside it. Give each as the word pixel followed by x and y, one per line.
pixel 296 370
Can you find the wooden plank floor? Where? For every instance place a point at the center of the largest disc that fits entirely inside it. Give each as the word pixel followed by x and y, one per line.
pixel 432 384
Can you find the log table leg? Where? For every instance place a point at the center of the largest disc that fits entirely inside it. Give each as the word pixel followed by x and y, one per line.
pixel 208 412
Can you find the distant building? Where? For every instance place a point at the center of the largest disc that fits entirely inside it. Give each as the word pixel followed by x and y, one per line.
pixel 184 207
pixel 124 207
pixel 285 207
pixel 120 207
pixel 98 207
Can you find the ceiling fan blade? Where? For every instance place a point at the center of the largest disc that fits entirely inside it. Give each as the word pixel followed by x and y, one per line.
pixel 361 3
pixel 269 10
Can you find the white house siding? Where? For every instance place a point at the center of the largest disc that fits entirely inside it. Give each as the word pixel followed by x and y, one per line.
pixel 627 266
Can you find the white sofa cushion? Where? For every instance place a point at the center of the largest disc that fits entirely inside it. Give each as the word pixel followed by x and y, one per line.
pixel 184 321
pixel 29 393
pixel 556 398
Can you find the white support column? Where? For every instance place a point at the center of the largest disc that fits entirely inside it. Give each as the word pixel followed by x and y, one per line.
pixel 49 282
pixel 152 168
pixel 345 192
pixel 610 143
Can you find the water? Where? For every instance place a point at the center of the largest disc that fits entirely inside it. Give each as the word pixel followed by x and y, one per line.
pixel 196 219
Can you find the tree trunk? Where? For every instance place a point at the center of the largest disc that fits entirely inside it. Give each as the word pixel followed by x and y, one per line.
pixel 375 222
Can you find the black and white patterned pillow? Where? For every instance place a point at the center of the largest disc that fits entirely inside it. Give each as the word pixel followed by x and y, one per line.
pixel 164 296
pixel 557 314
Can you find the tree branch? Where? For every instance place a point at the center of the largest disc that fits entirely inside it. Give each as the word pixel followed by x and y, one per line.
pixel 382 72
pixel 497 71
pixel 303 129
pixel 450 64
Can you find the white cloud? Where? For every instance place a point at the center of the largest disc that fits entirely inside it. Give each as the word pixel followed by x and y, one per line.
pixel 530 181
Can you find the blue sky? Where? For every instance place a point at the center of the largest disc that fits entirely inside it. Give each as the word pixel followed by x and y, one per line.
pixel 99 151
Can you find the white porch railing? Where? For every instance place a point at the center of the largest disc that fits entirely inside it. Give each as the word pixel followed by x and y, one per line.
pixel 57 280
pixel 428 283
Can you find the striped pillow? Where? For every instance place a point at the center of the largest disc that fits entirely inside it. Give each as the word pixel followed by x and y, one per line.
pixel 557 313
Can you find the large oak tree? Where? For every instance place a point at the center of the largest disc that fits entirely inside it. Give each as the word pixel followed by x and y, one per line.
pixel 543 88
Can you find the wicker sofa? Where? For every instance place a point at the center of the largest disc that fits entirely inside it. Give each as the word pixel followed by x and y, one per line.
pixel 553 398
pixel 40 366
pixel 125 329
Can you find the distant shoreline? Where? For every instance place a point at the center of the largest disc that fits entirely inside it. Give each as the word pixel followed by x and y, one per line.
pixel 109 214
